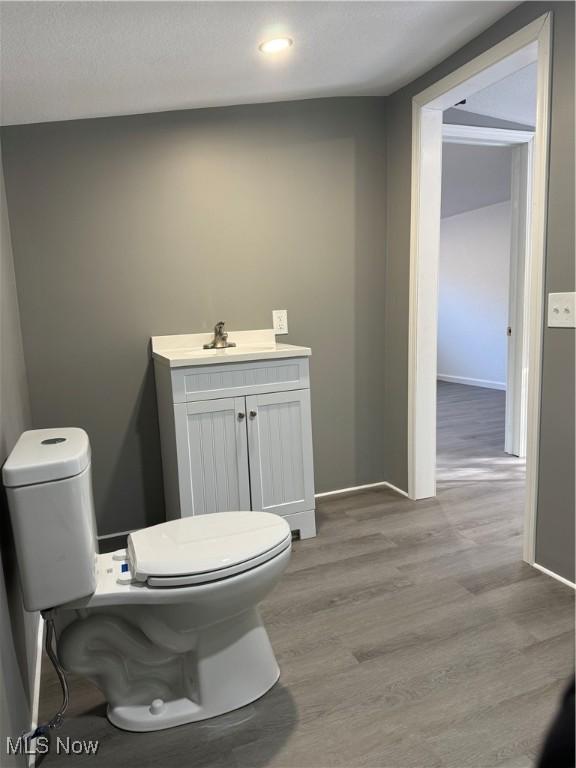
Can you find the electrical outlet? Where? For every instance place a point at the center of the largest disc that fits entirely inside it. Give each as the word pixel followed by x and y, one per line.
pixel 561 310
pixel 280 321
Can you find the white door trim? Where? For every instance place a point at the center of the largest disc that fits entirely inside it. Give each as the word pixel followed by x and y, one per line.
pixel 532 43
pixel 478 135
pixel 519 299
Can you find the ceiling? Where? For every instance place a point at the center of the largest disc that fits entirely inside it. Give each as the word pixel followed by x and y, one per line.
pixel 473 177
pixel 513 98
pixel 68 60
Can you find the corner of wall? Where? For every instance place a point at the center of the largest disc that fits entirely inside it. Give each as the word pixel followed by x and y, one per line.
pixel 19 630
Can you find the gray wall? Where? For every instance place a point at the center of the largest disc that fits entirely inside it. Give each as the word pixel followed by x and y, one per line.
pixel 129 227
pixel 473 177
pixel 17 628
pixel 555 523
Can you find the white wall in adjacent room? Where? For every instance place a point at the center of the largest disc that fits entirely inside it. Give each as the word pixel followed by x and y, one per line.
pixel 473 298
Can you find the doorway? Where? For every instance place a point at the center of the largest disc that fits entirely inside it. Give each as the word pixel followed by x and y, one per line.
pixel 484 237
pixel 529 45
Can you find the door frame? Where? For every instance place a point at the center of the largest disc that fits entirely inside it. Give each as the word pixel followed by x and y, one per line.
pixel 521 144
pixel 519 310
pixel 529 44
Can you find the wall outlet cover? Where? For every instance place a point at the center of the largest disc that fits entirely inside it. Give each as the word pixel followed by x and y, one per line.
pixel 280 321
pixel 562 310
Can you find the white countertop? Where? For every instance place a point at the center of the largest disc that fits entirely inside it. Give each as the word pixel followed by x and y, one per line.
pixel 188 349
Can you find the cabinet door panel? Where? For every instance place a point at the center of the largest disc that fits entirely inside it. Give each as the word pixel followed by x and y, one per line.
pixel 280 452
pixel 217 456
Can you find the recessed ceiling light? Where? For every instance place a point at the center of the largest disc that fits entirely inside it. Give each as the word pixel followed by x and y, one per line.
pixel 275 45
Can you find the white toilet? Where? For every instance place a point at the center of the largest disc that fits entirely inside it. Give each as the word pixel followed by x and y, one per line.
pixel 167 629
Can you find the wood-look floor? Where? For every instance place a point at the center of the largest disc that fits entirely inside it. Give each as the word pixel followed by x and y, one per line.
pixel 408 634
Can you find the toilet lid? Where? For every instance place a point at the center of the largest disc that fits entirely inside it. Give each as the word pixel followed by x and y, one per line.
pixel 196 550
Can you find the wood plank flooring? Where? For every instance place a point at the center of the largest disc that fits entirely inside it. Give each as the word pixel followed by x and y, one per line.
pixel 408 634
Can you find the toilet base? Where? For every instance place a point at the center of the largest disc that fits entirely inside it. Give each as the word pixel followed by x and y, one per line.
pixel 165 657
pixel 180 712
pixel 233 665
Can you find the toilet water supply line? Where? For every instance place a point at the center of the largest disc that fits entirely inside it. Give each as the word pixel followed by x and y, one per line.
pixel 58 719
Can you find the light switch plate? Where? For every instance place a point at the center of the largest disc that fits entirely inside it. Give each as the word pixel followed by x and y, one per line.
pixel 280 321
pixel 562 310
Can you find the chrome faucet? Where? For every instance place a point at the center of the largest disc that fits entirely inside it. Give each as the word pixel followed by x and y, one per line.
pixel 220 340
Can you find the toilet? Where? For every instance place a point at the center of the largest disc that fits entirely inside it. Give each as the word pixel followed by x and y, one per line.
pixel 168 629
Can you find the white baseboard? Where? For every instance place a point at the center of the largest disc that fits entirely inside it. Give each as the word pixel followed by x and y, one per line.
pixel 554 575
pixel 113 535
pixel 382 484
pixel 396 489
pixel 472 382
pixel 337 492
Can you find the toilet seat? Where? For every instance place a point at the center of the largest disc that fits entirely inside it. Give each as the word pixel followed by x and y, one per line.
pixel 202 549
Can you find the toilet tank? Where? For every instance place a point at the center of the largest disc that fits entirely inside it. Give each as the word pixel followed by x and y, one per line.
pixel 49 489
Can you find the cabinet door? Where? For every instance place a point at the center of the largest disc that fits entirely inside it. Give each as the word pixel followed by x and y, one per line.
pixel 280 452
pixel 217 460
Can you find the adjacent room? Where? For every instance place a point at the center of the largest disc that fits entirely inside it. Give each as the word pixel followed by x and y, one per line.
pixel 482 364
pixel 287 377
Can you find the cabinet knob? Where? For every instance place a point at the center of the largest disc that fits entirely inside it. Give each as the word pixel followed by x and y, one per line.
pixel 241 415
pixel 253 414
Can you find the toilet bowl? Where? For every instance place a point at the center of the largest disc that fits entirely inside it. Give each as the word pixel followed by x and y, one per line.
pixel 172 634
pixel 168 629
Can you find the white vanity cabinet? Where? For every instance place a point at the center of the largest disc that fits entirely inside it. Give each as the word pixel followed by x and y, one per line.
pixel 236 430
pixel 214 462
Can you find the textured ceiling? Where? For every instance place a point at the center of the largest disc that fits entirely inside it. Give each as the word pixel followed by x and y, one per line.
pixel 513 98
pixel 71 60
pixel 473 177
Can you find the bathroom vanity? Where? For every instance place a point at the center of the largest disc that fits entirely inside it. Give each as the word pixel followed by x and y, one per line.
pixel 235 426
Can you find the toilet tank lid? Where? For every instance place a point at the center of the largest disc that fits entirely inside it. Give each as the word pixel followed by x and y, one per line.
pixel 46 455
